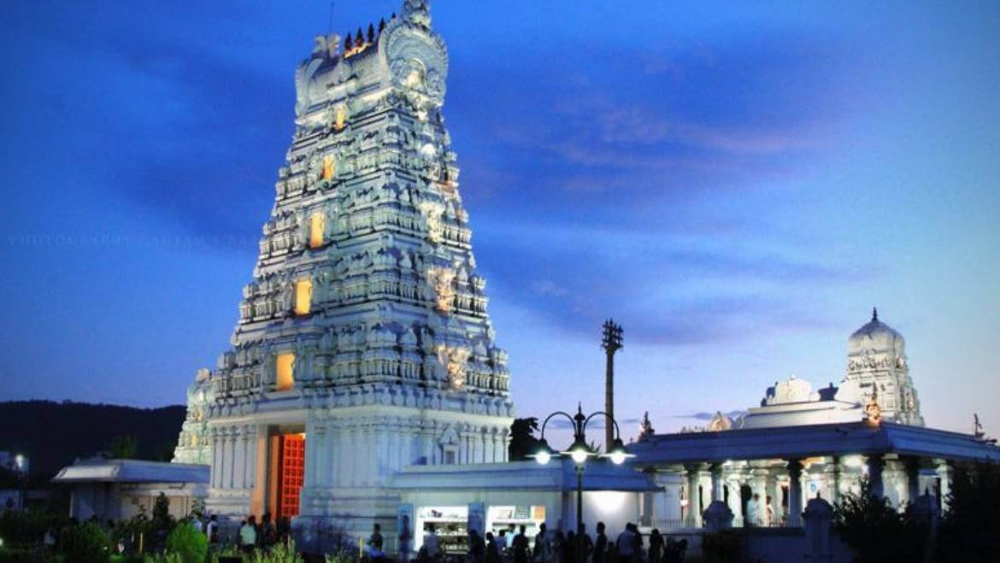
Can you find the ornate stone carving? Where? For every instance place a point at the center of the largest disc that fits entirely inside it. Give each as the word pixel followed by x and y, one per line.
pixel 454 358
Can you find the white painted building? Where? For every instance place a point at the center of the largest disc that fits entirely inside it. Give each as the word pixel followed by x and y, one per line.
pixel 800 443
pixel 118 489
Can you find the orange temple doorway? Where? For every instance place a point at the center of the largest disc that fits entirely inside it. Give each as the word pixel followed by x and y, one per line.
pixel 286 473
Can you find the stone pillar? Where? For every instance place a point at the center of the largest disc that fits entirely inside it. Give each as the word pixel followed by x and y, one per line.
pixel 835 486
pixel 795 493
pixel 912 466
pixel 735 501
pixel 945 473
pixel 876 463
pixel 249 472
pixel 667 501
pixel 240 457
pixel 927 514
pixel 772 510
pixel 717 492
pixel 216 459
pixel 818 519
pixel 693 517
pixel 316 471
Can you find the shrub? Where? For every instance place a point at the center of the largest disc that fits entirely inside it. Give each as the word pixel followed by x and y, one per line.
pixel 874 530
pixel 84 543
pixel 187 543
pixel 969 531
pixel 25 528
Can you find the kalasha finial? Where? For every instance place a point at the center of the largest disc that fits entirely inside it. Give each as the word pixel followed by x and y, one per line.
pixel 874 314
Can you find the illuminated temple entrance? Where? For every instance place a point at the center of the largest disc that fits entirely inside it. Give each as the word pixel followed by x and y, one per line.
pixel 286 473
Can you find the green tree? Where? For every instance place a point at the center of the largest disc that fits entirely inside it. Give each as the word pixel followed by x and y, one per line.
pixel 971 527
pixel 187 543
pixel 123 446
pixel 874 530
pixel 84 543
pixel 522 438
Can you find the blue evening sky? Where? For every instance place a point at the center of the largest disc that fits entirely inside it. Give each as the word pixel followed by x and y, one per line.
pixel 737 183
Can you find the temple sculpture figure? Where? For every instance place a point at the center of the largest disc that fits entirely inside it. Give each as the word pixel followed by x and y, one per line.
pixel 363 344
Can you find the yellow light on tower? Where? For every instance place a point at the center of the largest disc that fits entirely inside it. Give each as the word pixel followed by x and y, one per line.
pixel 317 226
pixel 329 167
pixel 283 367
pixel 303 296
pixel 340 117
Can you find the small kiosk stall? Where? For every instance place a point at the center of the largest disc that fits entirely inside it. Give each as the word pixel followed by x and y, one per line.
pixel 447 501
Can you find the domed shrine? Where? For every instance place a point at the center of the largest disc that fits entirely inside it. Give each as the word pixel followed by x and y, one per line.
pixel 877 372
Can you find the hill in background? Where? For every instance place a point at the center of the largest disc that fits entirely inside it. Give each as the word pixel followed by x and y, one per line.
pixel 53 434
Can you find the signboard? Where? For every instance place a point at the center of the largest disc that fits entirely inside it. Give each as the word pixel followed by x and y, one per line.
pixel 477 518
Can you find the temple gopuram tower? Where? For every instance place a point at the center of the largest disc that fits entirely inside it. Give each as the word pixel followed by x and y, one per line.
pixel 363 344
pixel 877 366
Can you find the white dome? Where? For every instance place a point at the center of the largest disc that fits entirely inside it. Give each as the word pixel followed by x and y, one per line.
pixel 876 337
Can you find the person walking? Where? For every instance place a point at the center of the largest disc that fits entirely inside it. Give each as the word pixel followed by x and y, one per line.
pixel 543 545
pixel 520 547
pixel 431 544
pixel 212 532
pixel 600 545
pixel 248 534
pixel 638 550
pixel 268 533
pixel 625 544
pixel 584 539
pixel 656 545
pixel 375 543
pixel 477 549
pixel 492 549
pixel 568 549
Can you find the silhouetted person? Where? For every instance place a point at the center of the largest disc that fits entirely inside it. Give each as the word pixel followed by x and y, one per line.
pixel 655 546
pixel 520 546
pixel 600 545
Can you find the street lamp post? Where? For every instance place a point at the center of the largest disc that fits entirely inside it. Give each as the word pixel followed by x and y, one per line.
pixel 579 452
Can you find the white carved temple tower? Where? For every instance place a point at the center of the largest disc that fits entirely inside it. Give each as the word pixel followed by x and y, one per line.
pixel 363 344
pixel 876 364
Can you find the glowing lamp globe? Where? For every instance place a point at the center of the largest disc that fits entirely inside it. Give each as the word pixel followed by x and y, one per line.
pixel 543 453
pixel 617 453
pixel 579 451
pixel 543 457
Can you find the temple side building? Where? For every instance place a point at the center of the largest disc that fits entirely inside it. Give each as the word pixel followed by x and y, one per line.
pixel 363 343
pixel 802 443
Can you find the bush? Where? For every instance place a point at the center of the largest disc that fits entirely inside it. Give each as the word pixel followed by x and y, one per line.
pixel 25 528
pixel 969 531
pixel 84 543
pixel 722 547
pixel 875 531
pixel 187 543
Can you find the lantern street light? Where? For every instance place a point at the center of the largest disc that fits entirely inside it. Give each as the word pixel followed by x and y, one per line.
pixel 580 452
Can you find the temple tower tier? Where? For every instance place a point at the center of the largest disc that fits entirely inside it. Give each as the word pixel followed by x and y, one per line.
pixel 363 343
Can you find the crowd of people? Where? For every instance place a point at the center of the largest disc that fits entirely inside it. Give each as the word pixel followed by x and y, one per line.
pixel 556 546
pixel 263 535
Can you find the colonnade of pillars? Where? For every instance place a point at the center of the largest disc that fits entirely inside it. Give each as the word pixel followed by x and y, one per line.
pixel 789 484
